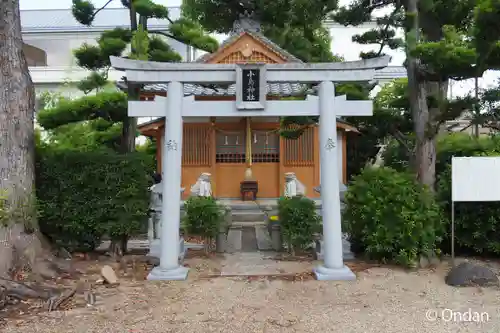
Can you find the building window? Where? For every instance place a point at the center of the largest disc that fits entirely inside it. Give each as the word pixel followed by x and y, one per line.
pixel 265 147
pixel 299 152
pixel 230 147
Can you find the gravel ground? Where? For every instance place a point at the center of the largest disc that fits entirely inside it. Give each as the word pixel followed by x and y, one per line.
pixel 381 300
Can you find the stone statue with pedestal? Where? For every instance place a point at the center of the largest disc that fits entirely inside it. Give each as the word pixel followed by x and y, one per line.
pixel 293 187
pixel 154 221
pixel 203 186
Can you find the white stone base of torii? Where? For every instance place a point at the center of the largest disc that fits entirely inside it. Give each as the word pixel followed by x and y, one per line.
pixel 175 106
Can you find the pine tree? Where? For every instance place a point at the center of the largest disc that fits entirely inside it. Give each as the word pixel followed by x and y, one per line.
pixel 295 25
pixel 145 44
pixel 444 40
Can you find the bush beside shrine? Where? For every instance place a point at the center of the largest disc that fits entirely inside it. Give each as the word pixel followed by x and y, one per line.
pixel 298 221
pixel 83 196
pixel 390 217
pixel 203 217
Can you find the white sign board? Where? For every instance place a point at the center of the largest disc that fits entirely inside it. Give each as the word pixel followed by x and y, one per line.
pixel 475 179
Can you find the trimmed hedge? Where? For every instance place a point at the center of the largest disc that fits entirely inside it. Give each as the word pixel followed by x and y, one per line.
pixel 83 196
pixel 299 222
pixel 390 217
pixel 204 217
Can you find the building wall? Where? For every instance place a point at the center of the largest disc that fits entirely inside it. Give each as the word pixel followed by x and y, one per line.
pixel 269 175
pixel 59 46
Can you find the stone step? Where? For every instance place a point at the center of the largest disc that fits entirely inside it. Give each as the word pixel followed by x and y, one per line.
pixel 234 240
pixel 248 216
pixel 236 225
pixel 262 204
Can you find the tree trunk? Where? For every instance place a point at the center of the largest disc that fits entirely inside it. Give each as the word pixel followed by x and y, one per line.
pixel 17 145
pixel 477 111
pixel 128 133
pixel 130 124
pixel 424 161
pixel 423 118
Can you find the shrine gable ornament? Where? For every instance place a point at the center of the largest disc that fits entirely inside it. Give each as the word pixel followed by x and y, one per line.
pixel 251 86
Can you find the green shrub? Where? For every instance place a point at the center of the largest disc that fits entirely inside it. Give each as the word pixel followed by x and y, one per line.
pixel 476 223
pixel 396 156
pixel 390 217
pixel 204 217
pixel 298 221
pixel 460 144
pixel 83 196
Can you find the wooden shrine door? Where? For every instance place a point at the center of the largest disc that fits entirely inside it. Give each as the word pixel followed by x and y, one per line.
pixel 231 159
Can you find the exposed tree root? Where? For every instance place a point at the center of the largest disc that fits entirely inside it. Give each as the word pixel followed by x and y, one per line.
pixel 22 291
pixel 26 253
pixel 55 302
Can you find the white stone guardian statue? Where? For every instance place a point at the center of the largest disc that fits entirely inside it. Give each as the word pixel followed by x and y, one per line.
pixel 203 186
pixel 293 187
pixel 154 210
pixel 154 221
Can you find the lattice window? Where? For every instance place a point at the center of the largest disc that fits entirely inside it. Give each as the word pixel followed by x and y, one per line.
pixel 265 147
pixel 237 57
pixel 230 147
pixel 196 145
pixel 300 152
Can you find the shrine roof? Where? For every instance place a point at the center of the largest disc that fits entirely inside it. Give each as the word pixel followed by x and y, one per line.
pixel 257 36
pixel 273 89
pixel 157 123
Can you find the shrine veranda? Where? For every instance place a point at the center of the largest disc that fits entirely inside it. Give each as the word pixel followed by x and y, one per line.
pixel 251 101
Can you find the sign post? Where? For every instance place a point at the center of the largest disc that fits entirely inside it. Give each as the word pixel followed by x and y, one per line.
pixel 473 179
pixel 251 86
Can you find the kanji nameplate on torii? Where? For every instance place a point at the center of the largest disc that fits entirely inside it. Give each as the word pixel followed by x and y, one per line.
pixel 251 87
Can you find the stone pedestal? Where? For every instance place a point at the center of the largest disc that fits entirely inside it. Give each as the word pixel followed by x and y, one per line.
pixel 276 239
pixel 221 239
pixel 154 229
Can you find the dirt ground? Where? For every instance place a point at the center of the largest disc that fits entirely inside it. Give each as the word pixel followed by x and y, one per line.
pixel 383 299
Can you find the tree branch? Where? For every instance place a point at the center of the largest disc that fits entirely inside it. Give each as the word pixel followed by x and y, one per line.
pixel 465 128
pixel 169 20
pixel 97 11
pixel 402 139
pixel 383 42
pixel 380 3
pixel 159 32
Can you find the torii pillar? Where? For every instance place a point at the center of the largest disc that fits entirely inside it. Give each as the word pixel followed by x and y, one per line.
pixel 333 267
pixel 169 268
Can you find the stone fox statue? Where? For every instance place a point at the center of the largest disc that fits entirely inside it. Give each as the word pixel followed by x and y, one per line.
pixel 203 187
pixel 154 206
pixel 293 187
pixel 156 193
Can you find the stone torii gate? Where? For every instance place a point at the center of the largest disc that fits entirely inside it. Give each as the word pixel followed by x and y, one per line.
pixel 251 80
